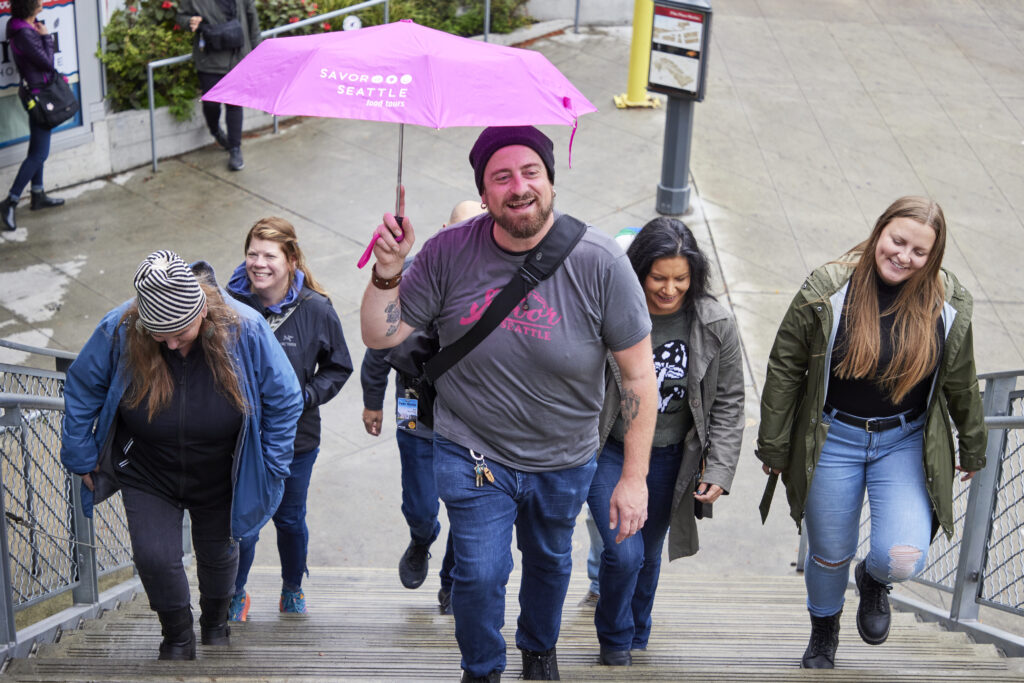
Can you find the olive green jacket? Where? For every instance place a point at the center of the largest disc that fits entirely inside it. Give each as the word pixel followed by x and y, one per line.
pixel 208 61
pixel 714 390
pixel 792 434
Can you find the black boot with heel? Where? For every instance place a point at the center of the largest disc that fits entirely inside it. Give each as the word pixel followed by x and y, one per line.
pixel 213 621
pixel 41 200
pixel 179 641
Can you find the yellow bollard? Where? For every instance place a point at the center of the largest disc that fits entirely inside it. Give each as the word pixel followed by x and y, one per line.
pixel 639 59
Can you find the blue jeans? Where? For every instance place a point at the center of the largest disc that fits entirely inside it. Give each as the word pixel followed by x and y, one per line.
pixel 629 570
pixel 292 532
pixel 889 465
pixel 32 167
pixel 543 507
pixel 419 497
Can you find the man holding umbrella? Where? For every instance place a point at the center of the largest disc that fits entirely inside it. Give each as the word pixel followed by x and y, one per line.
pixel 516 418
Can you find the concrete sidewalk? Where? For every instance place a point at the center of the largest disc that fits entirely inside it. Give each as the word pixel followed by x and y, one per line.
pixel 817 116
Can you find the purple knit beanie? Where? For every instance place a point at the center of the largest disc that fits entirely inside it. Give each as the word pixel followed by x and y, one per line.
pixel 496 137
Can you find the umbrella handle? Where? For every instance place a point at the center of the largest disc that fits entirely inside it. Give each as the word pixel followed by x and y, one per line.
pixel 365 258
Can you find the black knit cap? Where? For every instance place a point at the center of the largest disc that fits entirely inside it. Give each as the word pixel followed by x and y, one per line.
pixel 496 137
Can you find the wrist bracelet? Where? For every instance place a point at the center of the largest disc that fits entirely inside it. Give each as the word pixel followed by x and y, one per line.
pixel 384 283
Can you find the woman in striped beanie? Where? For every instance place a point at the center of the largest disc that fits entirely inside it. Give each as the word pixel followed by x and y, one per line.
pixel 195 407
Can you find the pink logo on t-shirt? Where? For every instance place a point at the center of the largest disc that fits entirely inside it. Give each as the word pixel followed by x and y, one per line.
pixel 536 319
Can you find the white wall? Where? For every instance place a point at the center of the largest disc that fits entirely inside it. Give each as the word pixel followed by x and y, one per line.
pixel 592 12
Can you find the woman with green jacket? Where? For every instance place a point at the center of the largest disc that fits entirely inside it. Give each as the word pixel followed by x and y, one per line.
pixel 872 359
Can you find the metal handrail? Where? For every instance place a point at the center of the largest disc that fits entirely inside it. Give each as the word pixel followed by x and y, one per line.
pixel 269 33
pixel 9 400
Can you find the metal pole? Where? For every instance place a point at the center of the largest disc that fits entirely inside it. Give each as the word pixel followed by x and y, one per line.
pixel 387 11
pixel 87 591
pixel 152 114
pixel 673 196
pixel 639 59
pixel 9 417
pixel 398 187
pixel 980 503
pixel 576 21
pixel 487 20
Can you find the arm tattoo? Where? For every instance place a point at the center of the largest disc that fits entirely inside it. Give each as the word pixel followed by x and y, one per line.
pixel 630 405
pixel 393 315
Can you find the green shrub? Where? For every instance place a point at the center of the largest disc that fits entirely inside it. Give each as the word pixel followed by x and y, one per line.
pixel 463 18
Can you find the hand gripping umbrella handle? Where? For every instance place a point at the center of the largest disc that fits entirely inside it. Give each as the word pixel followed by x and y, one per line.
pixel 365 258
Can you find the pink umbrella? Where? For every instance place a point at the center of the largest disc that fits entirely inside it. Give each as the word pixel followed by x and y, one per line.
pixel 402 73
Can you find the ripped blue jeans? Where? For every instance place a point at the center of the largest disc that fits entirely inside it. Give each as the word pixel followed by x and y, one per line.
pixel 889 466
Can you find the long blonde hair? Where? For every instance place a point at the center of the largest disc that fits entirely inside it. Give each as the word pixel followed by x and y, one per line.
pixel 917 307
pixel 275 229
pixel 148 375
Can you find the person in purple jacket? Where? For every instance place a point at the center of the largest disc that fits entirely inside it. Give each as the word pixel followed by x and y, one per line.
pixel 32 49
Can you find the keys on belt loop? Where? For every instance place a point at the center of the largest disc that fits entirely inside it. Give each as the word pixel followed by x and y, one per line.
pixel 480 469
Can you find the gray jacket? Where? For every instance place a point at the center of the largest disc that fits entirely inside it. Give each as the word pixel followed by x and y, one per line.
pixel 715 390
pixel 208 61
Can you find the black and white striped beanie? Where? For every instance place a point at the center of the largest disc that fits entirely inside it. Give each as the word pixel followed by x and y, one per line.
pixel 169 296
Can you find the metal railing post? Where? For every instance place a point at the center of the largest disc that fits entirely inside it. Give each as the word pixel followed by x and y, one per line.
pixel 152 113
pixel 9 417
pixel 88 589
pixel 980 503
pixel 576 20
pixel 387 11
pixel 487 21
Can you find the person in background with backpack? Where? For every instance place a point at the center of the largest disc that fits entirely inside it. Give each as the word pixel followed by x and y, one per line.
pixel 225 31
pixel 515 418
pixel 415 442
pixel 32 49
pixel 275 280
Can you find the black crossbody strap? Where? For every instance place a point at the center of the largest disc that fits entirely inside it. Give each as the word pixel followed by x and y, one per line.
pixel 540 263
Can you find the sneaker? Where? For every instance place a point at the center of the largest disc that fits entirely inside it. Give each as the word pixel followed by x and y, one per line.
pixel 235 162
pixel 412 568
pixel 444 600
pixel 293 602
pixel 589 600
pixel 238 610
pixel 221 137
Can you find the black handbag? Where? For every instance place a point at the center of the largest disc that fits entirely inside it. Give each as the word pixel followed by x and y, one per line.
pixel 222 37
pixel 52 104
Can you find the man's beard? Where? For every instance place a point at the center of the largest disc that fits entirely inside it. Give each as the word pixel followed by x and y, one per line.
pixel 526 226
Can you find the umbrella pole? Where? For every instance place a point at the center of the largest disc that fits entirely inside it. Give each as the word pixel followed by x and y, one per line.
pixel 398 187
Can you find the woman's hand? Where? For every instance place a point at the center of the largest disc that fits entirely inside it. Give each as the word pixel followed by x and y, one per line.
pixel 767 470
pixel 372 420
pixel 708 493
pixel 967 475
pixel 43 31
pixel 193 23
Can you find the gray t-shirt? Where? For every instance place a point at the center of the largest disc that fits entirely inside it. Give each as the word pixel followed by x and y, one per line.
pixel 670 337
pixel 528 396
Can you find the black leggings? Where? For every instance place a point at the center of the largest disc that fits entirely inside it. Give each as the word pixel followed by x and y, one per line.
pixel 155 528
pixel 211 111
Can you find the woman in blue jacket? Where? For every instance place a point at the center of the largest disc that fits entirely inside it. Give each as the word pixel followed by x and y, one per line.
pixel 275 281
pixel 199 403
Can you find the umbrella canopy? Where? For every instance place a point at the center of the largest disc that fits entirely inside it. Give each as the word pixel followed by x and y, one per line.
pixel 402 73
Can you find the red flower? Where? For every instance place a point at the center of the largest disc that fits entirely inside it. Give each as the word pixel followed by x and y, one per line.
pixel 167 4
pixel 177 28
pixel 133 9
pixel 326 26
pixel 293 20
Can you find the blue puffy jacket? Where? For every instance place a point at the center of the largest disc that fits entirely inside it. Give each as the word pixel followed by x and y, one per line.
pixel 97 381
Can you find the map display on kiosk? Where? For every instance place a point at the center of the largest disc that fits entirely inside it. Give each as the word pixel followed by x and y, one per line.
pixel 678 38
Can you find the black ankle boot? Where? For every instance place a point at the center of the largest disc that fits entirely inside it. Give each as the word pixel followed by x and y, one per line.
pixel 873 615
pixel 235 161
pixel 213 621
pixel 493 677
pixel 821 650
pixel 40 200
pixel 179 641
pixel 540 666
pixel 7 214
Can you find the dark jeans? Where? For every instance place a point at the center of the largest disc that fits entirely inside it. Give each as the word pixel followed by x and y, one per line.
pixel 542 506
pixel 419 497
pixel 290 521
pixel 629 570
pixel 32 167
pixel 211 111
pixel 155 528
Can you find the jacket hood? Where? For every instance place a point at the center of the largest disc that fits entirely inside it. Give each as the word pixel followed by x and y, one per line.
pixel 239 285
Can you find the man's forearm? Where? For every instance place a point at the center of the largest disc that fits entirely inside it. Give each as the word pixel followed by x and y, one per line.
pixel 379 317
pixel 638 411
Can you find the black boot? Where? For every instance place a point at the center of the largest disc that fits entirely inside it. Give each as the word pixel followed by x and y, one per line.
pixel 179 641
pixel 873 615
pixel 221 137
pixel 7 213
pixel 821 650
pixel 40 200
pixel 213 621
pixel 493 677
pixel 540 666
pixel 412 568
pixel 235 162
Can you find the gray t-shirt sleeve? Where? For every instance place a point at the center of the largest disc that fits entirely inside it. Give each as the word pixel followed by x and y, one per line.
pixel 419 292
pixel 626 320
